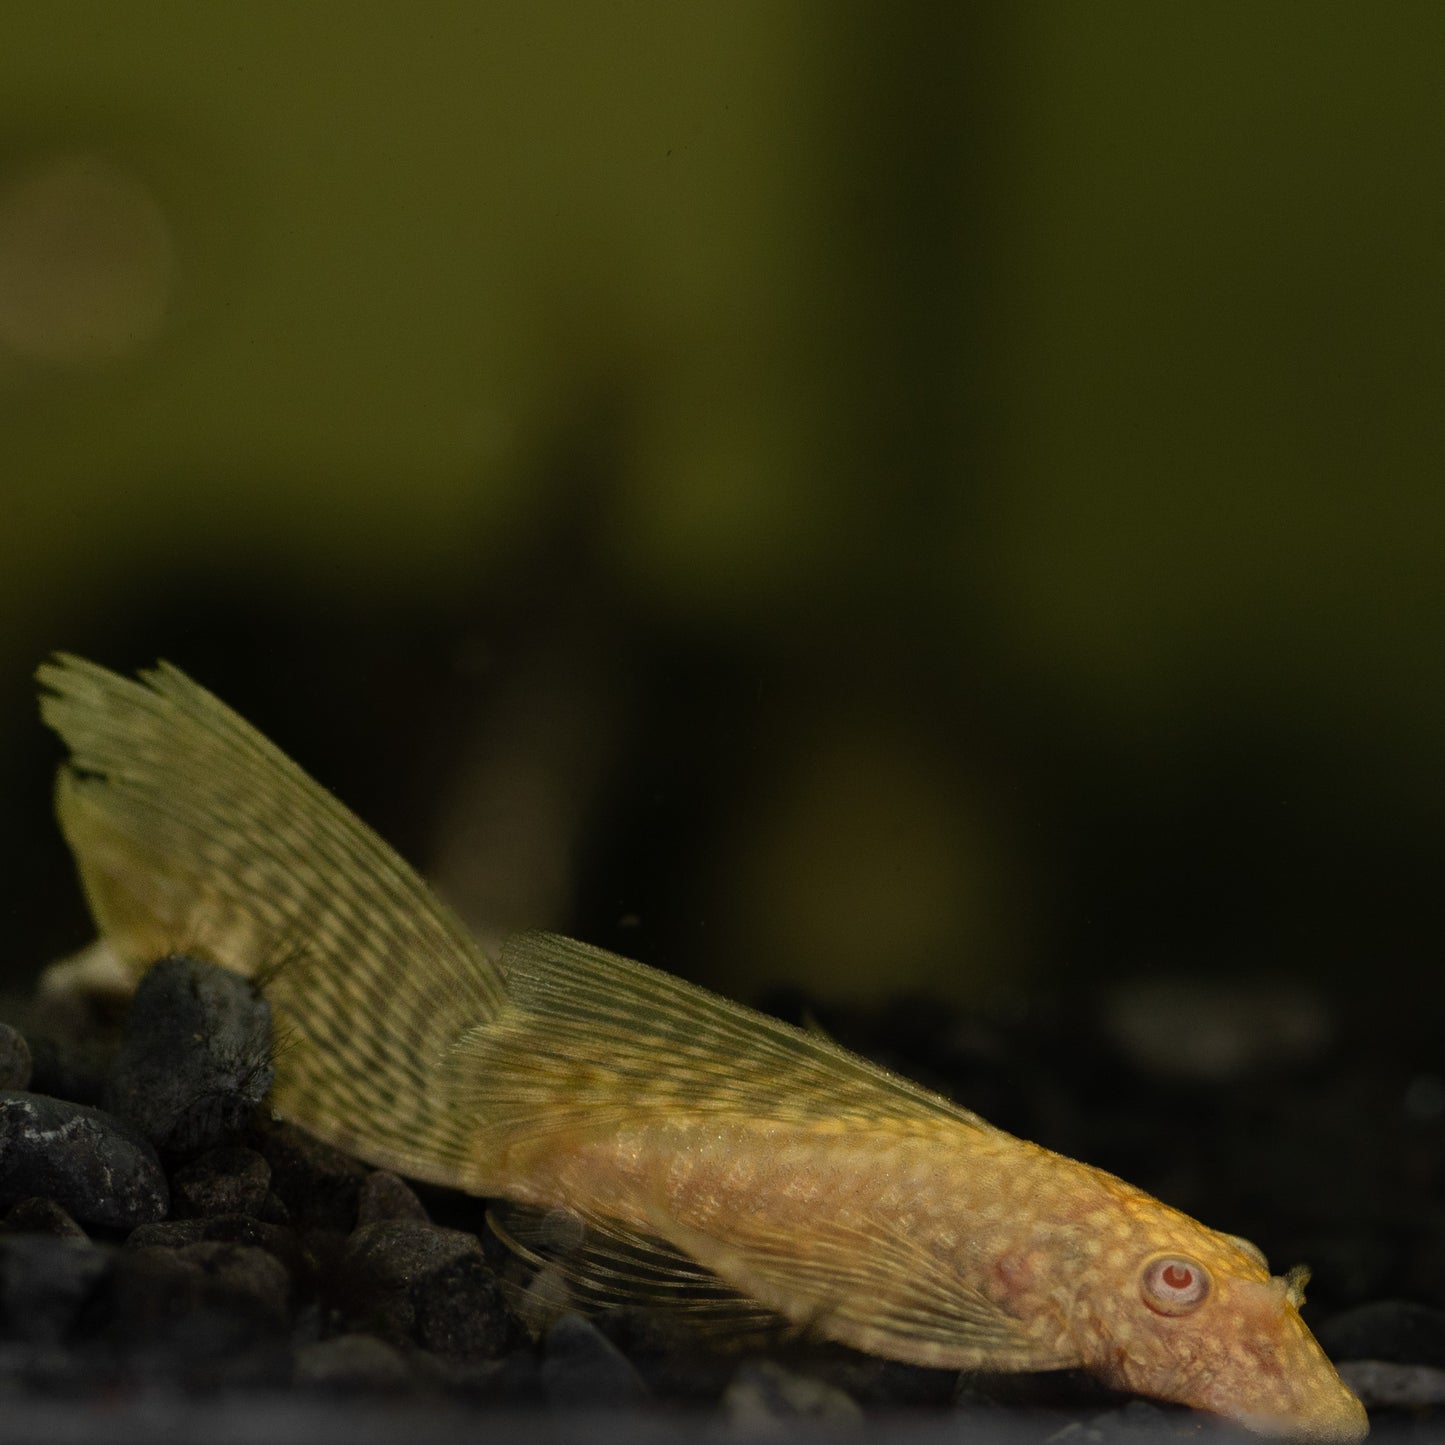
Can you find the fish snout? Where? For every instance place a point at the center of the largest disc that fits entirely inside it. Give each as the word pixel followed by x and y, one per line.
pixel 1280 1382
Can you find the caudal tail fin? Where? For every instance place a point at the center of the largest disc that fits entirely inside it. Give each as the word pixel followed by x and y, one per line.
pixel 192 833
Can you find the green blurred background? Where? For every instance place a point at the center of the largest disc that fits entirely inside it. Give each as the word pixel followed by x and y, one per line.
pixel 861 496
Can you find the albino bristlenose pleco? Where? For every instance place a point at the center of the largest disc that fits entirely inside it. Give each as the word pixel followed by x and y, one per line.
pixel 709 1155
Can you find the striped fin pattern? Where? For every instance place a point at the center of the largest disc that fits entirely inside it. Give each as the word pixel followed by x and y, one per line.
pixel 875 1288
pixel 590 1039
pixel 604 1265
pixel 192 832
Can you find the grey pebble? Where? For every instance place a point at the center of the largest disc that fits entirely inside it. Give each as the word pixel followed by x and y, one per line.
pixel 195 1055
pixel 228 1180
pixel 350 1363
pixel 94 1166
pixel 763 1395
pixel 1141 1417
pixel 15 1063
pixel 418 1284
pixel 514 1381
pixel 582 1367
pixel 1383 1384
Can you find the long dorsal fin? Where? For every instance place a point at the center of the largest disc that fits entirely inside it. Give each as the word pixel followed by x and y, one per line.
pixel 590 1039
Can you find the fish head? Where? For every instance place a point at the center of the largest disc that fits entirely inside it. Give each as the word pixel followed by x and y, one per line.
pixel 1182 1313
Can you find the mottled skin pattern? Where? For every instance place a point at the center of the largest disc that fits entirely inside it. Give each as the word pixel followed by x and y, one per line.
pixel 1057 1245
pixel 765 1161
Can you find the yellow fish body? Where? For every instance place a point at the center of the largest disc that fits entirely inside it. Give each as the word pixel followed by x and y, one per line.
pixel 702 1145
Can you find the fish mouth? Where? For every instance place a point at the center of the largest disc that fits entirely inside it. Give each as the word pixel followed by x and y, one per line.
pixel 1330 1414
pixel 1340 1427
pixel 1285 1386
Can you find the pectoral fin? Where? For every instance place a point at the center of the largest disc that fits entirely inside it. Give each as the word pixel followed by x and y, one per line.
pixel 881 1302
pixel 604 1264
pixel 879 1293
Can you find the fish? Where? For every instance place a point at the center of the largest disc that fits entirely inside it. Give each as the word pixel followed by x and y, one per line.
pixel 682 1146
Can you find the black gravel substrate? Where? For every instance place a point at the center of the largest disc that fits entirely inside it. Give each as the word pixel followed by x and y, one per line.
pixel 175 1265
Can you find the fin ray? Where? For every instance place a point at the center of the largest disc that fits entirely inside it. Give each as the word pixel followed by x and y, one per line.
pixel 192 831
pixel 588 1037
pixel 604 1265
pixel 876 1290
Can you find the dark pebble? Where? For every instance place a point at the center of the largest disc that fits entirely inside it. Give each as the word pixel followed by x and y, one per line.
pixel 324 1251
pixel 149 1292
pixel 514 1381
pixel 204 1317
pixel 891 1383
pixel 178 1234
pixel 171 1233
pixel 229 1180
pixel 1142 1418
pixel 317 1184
pixel 245 1272
pixel 675 1362
pixel 195 1056
pixel 15 1063
pixel 350 1363
pixel 386 1196
pixel 92 1165
pixel 418 1284
pixel 273 1209
pixel 43 1216
pixel 581 1367
pixel 1399 1331
pixel 46 1283
pixel 763 1392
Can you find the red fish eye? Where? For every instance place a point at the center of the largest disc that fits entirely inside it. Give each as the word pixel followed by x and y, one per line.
pixel 1174 1285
